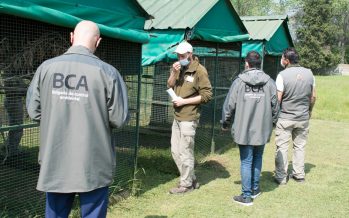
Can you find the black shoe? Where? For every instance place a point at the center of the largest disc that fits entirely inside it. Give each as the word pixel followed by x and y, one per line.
pixel 195 184
pixel 300 180
pixel 246 201
pixel 256 193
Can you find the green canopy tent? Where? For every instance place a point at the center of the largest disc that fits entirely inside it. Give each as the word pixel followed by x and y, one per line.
pixel 270 36
pixel 120 19
pixel 215 31
pixel 175 21
pixel 33 31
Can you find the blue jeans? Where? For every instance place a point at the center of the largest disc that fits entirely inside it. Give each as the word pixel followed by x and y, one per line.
pixel 251 165
pixel 93 204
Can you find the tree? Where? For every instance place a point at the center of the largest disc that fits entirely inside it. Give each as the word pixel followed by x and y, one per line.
pixel 317 35
pixel 252 7
pixel 341 19
pixel 269 7
pixel 265 7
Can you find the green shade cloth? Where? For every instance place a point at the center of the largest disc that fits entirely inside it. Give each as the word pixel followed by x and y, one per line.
pixel 248 46
pixel 210 21
pixel 161 46
pixel 163 43
pixel 279 42
pixel 121 19
pixel 270 30
pixel 218 36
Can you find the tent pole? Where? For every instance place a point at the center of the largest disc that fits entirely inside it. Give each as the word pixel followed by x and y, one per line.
pixel 135 161
pixel 263 55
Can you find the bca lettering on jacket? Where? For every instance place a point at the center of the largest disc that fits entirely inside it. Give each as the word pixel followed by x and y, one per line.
pixel 69 81
pixel 254 91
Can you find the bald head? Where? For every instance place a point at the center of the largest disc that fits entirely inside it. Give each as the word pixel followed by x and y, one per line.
pixel 86 33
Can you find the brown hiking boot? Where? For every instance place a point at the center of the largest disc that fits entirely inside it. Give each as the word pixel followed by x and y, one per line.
pixel 195 184
pixel 181 190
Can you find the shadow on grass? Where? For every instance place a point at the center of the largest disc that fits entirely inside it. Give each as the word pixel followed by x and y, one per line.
pixel 308 167
pixel 267 181
pixel 156 165
pixel 159 168
pixel 210 171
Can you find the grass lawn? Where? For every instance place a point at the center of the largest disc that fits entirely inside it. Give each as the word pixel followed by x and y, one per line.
pixel 332 98
pixel 324 194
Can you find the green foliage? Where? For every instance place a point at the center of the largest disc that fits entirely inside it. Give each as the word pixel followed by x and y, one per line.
pixel 264 7
pixel 320 27
pixel 346 55
pixel 252 7
pixel 317 35
pixel 341 20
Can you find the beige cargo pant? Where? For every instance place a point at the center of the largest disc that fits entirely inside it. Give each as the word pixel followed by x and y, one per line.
pixel 182 149
pixel 285 129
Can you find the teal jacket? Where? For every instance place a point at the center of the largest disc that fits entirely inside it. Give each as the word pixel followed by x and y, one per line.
pixel 77 98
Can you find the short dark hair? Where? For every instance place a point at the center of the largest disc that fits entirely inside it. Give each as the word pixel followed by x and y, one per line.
pixel 292 55
pixel 253 59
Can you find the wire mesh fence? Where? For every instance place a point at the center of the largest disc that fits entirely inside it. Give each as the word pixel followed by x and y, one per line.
pixel 272 66
pixel 24 45
pixel 156 110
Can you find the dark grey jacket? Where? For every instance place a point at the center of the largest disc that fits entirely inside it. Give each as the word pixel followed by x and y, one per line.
pixel 252 107
pixel 77 98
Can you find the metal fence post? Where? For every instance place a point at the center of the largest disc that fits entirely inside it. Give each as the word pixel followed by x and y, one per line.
pixel 213 143
pixel 139 86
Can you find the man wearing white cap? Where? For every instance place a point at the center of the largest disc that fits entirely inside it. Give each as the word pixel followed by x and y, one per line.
pixel 190 82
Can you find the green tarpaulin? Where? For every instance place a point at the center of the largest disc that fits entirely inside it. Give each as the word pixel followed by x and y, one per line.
pixel 279 42
pixel 251 46
pixel 219 36
pixel 211 21
pixel 161 46
pixel 268 33
pixel 121 19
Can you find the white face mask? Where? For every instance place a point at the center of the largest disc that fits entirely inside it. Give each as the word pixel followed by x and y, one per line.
pixel 184 62
pixel 246 66
pixel 282 64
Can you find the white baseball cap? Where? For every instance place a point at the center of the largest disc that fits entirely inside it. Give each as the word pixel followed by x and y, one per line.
pixel 183 48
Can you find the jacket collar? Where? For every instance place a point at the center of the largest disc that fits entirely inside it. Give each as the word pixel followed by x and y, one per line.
pixel 79 49
pixel 293 65
pixel 193 66
pixel 250 69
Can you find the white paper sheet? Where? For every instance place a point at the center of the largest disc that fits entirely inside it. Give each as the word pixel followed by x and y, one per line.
pixel 172 93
